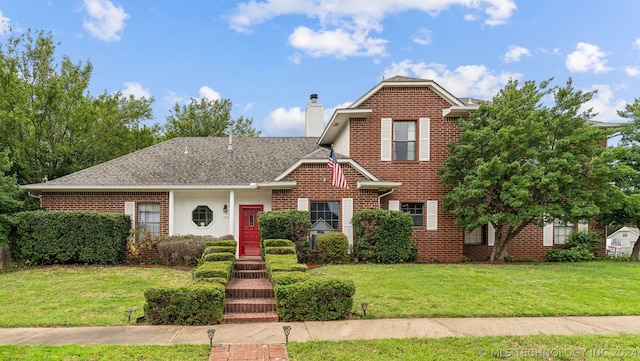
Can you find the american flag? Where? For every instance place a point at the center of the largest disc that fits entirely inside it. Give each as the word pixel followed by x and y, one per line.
pixel 337 176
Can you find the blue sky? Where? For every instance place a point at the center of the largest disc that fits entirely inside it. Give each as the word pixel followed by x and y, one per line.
pixel 267 56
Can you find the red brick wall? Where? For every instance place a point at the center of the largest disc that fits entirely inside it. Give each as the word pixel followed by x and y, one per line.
pixel 111 202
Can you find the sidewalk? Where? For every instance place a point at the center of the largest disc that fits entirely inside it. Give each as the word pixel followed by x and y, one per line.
pixel 272 333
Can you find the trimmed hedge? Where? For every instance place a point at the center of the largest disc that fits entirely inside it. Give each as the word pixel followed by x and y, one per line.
pixel 283 263
pixel 214 269
pixel 222 243
pixel 62 237
pixel 198 304
pixel 219 280
pixel 280 250
pixel 219 256
pixel 383 236
pixel 287 224
pixel 287 278
pixel 218 249
pixel 333 247
pixel 277 243
pixel 318 299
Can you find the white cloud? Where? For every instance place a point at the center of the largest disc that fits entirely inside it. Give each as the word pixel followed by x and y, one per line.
pixel 136 89
pixel 171 98
pixel 515 53
pixel 344 27
pixel 106 21
pixel 605 104
pixel 632 71
pixel 586 58
pixel 5 28
pixel 284 122
pixel 423 37
pixel 208 93
pixel 465 81
pixel 338 43
pixel 636 44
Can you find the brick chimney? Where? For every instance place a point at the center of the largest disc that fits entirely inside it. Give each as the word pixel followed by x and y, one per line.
pixel 314 117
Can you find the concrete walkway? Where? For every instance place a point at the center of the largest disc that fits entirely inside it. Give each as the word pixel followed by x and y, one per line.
pixel 272 333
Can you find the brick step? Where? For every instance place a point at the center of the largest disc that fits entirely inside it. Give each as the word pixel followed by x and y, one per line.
pixel 249 288
pixel 249 305
pixel 244 274
pixel 249 317
pixel 241 264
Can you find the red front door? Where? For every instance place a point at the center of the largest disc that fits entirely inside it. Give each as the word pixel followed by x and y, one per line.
pixel 249 234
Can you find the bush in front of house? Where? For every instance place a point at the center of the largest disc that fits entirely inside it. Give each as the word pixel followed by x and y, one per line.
pixel 383 236
pixel 218 242
pixel 218 249
pixel 579 246
pixel 64 237
pixel 214 269
pixel 280 250
pixel 333 248
pixel 197 304
pixel 317 299
pixel 219 256
pixel 287 278
pixel 290 225
pixel 283 263
pixel 181 250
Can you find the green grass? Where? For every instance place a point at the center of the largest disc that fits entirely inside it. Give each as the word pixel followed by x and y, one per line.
pixel 484 290
pixel 539 347
pixel 105 352
pixel 79 296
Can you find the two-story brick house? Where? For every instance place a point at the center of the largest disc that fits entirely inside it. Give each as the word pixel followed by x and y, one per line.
pixel 390 144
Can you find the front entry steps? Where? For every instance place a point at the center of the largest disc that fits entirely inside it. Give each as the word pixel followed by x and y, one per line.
pixel 249 295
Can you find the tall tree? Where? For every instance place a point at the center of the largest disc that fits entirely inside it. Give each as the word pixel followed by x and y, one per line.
pixel 206 118
pixel 50 124
pixel 521 162
pixel 10 194
pixel 624 160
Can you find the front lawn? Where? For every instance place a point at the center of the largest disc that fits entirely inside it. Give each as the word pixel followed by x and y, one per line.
pixel 485 290
pixel 105 352
pixel 79 296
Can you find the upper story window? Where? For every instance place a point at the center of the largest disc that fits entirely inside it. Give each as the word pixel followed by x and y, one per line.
pixel 202 216
pixel 417 212
pixel 404 140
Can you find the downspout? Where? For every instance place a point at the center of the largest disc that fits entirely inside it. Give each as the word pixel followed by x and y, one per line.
pixel 384 195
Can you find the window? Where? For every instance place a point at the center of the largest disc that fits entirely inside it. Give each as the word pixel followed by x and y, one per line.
pixel 624 234
pixel 202 216
pixel 325 217
pixel 476 237
pixel 149 218
pixel 561 231
pixel 417 212
pixel 616 242
pixel 404 140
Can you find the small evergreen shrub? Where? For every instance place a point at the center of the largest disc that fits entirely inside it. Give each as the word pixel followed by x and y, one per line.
pixel 181 250
pixel 575 254
pixel 277 243
pixel 219 256
pixel 280 250
pixel 217 249
pixel 283 263
pixel 317 299
pixel 198 304
pixel 333 248
pixel 219 280
pixel 222 243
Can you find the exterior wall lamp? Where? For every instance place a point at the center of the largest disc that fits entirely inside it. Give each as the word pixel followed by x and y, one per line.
pixel 225 209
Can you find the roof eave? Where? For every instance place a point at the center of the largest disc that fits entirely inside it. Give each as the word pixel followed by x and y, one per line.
pixel 459 111
pixel 378 185
pixel 39 188
pixel 426 83
pixel 339 120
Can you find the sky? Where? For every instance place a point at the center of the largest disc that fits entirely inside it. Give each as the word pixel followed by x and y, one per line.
pixel 268 56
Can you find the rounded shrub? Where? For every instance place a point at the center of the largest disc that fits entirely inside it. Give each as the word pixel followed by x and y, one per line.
pixel 333 247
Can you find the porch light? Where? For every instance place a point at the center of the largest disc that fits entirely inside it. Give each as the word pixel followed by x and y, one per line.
pixel 129 312
pixel 364 306
pixel 210 333
pixel 287 331
pixel 225 209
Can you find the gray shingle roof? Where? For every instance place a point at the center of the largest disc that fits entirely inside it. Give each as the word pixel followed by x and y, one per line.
pixel 197 161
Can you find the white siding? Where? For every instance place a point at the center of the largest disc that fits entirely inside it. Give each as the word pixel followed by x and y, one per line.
pixel 385 140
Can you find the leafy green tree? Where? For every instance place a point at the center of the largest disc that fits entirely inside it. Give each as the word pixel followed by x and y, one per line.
pixel 206 118
pixel 10 194
pixel 50 124
pixel 520 162
pixel 624 160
